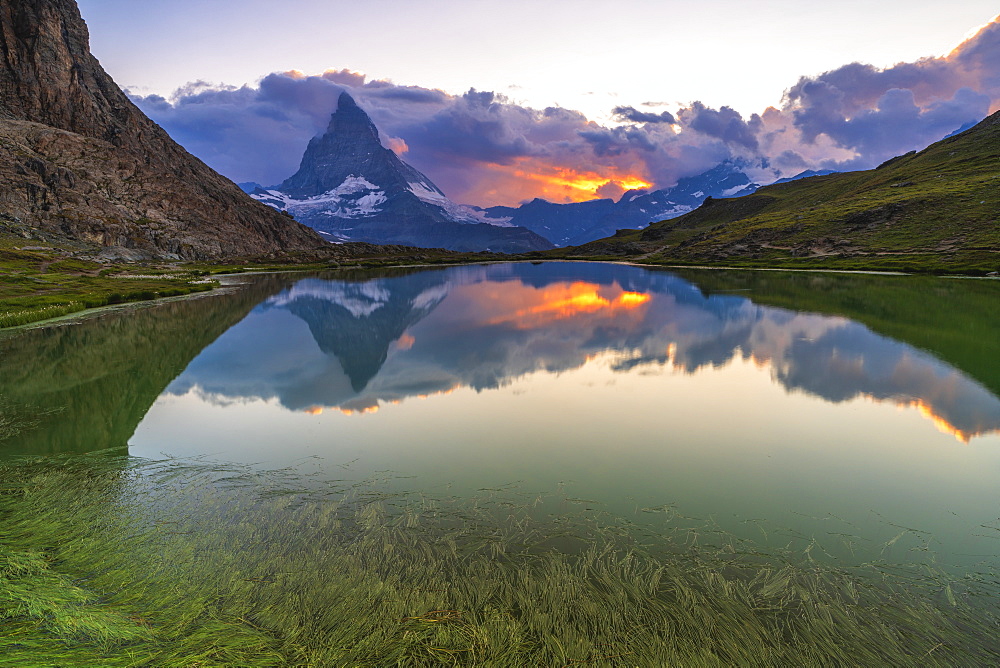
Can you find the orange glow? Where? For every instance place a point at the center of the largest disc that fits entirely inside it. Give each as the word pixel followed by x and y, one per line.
pixel 939 422
pixel 528 178
pixel 564 300
pixel 629 299
pixel 405 342
pixel 367 410
pixel 314 410
pixel 358 407
pixel 581 186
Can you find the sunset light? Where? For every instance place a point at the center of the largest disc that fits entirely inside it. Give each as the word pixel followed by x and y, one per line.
pixel 941 424
pixel 558 183
pixel 558 301
pixel 405 342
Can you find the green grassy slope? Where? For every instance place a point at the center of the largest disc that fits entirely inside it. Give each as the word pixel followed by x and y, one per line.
pixel 935 210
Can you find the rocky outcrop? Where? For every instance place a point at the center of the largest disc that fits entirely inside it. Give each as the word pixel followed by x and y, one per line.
pixel 78 161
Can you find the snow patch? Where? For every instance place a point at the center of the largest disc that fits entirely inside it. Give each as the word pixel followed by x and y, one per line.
pixel 360 299
pixel 457 212
pixel 356 197
pixel 729 192
pixel 431 297
pixel 674 212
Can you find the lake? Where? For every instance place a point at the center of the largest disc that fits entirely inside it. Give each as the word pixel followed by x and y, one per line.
pixel 842 418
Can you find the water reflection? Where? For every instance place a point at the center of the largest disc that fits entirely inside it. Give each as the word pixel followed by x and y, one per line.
pixel 84 386
pixel 357 345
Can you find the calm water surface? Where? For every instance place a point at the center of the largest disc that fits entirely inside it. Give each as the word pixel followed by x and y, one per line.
pixel 785 406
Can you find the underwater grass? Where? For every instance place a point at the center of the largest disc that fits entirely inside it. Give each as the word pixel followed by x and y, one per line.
pixel 118 562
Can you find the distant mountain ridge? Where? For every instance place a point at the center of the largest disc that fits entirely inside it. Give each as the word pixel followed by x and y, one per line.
pixel 80 162
pixel 581 222
pixel 932 210
pixel 350 187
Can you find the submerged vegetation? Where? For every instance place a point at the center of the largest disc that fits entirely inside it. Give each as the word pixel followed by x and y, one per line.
pixel 117 562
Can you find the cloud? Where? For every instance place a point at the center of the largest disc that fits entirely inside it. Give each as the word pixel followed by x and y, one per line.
pixel 879 113
pixel 482 148
pixel 725 124
pixel 633 115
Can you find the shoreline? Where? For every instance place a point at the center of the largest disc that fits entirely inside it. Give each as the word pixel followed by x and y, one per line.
pixel 229 281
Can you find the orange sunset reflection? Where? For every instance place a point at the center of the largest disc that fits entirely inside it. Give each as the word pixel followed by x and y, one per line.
pixel 940 423
pixel 527 307
pixel 924 407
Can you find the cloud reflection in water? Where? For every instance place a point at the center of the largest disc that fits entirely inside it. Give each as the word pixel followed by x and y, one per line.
pixel 355 345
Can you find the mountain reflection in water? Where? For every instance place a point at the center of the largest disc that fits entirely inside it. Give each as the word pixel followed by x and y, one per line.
pixel 378 341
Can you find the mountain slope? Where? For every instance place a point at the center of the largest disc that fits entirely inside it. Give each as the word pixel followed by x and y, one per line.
pixel 79 161
pixel 350 187
pixel 933 210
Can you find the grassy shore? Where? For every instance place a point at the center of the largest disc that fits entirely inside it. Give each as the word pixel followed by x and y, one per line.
pixel 40 281
pixel 116 562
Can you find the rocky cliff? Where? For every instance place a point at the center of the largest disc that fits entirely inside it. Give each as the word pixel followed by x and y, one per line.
pixel 79 162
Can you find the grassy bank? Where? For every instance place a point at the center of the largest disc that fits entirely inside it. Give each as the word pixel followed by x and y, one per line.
pixel 115 562
pixel 38 283
pixel 41 280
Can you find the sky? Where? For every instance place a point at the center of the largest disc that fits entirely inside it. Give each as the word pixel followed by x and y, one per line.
pixel 501 102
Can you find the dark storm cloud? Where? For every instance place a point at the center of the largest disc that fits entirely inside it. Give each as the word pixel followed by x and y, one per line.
pixel 897 124
pixel 248 133
pixel 616 141
pixel 477 126
pixel 635 116
pixel 725 123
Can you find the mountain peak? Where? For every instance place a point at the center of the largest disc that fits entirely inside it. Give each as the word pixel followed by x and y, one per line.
pixel 349 147
pixel 350 187
pixel 351 121
pixel 345 102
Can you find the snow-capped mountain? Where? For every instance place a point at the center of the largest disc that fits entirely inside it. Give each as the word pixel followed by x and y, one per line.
pixel 806 174
pixel 350 187
pixel 580 222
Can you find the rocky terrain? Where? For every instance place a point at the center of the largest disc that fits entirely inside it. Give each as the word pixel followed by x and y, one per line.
pixel 80 164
